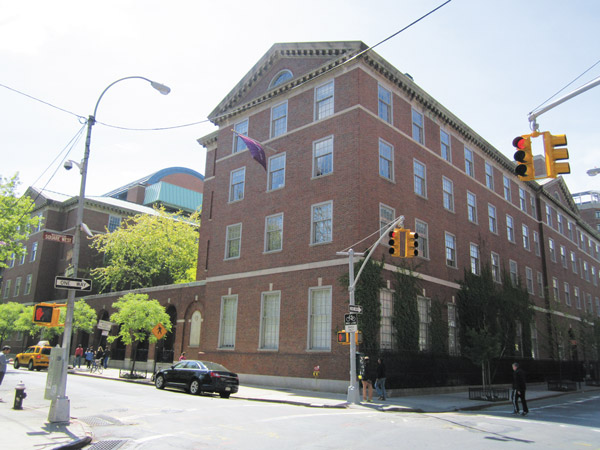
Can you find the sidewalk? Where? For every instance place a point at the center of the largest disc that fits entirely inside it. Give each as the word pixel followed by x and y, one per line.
pixel 28 428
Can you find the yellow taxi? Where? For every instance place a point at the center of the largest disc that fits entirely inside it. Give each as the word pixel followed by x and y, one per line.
pixel 35 357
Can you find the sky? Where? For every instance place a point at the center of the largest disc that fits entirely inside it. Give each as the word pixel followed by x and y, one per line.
pixel 489 62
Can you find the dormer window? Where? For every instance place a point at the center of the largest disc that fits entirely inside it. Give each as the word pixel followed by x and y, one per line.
pixel 281 77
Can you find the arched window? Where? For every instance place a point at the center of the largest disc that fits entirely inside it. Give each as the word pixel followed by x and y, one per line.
pixel 281 77
pixel 195 329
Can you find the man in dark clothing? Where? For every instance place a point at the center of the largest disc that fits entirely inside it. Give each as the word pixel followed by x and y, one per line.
pixel 519 388
pixel 380 380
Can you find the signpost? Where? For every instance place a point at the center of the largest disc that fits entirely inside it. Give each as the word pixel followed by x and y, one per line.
pixel 159 331
pixel 77 284
pixel 104 325
pixel 56 237
pixel 357 309
pixel 351 323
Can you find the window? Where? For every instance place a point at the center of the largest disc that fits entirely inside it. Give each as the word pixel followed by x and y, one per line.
pixel 560 222
pixel 586 274
pixel 448 194
pixel 386 160
pixel 233 241
pixel 27 285
pixel 324 101
pixel 417 126
pixel 469 162
pixel 269 320
pixel 552 250
pixel 475 263
pixel 472 207
pixel 567 294
pixel 386 333
pixel 240 128
pixel 419 176
pixel 321 223
pixel 536 243
pixel 493 223
pixel 573 262
pixel 114 222
pixel 507 191
pixel 563 256
pixel 570 230
pixel 534 341
pixel 510 229
pixel 496 276
pixel 386 216
pixel 555 291
pixel 279 120
pixel 320 319
pixel 422 230
pixel 424 305
pixel 450 250
pixel 525 231
pixel 452 330
pixel 384 108
pixel 489 176
pixel 522 200
pixel 17 290
pixel 237 180
pixel 11 261
pixel 514 275
pixel 7 284
pixel 323 157
pixel 276 172
pixel 281 78
pixel 529 278
pixel 549 216
pixel 22 260
pixel 533 207
pixel 540 283
pixel 594 277
pixel 228 321
pixel 445 144
pixel 577 297
pixel 195 329
pixel 274 233
pixel 40 222
pixel 34 248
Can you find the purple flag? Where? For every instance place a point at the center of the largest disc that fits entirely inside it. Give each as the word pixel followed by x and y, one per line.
pixel 256 150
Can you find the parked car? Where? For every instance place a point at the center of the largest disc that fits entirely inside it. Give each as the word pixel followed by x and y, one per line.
pixel 197 377
pixel 35 357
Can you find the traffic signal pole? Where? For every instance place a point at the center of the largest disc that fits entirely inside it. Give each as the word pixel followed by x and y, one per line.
pixel 353 391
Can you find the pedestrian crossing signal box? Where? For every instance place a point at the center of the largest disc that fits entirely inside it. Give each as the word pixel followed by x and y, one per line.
pixel 46 314
pixel 343 337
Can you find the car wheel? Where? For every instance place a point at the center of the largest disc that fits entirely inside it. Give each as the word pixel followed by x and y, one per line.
pixel 30 365
pixel 194 388
pixel 224 394
pixel 16 364
pixel 159 382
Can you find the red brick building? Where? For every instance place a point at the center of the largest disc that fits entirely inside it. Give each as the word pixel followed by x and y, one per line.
pixel 352 143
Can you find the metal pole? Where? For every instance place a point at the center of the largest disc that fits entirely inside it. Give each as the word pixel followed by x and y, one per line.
pixel 353 392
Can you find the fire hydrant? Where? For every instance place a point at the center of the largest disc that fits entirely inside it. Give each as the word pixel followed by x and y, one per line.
pixel 19 395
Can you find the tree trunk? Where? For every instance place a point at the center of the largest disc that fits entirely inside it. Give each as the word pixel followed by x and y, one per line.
pixel 134 358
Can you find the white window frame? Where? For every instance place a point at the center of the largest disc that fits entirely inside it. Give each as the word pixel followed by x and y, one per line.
pixel 514 272
pixel 238 144
pixel 387 214
pixel 489 176
pixel 420 178
pixel 229 240
pixel 451 258
pixel 273 173
pixel 418 126
pixel 469 162
pixel 34 249
pixel 386 329
pixel 448 194
pixel 389 161
pixel 325 106
pixel 475 259
pixel 241 184
pixel 526 239
pixel 228 325
pixel 529 280
pixel 322 149
pixel 507 189
pixel 510 229
pixel 422 229
pixel 269 320
pixel 313 222
pixel 114 222
pixel 522 200
pixel 382 104
pixel 446 145
pixel 567 291
pixel 472 207
pixel 424 310
pixel 275 121
pixel 28 282
pixel 496 274
pixel 492 219
pixel 269 232
pixel 319 322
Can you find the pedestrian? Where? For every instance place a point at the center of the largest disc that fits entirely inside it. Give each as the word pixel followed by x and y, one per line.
pixel 3 363
pixel 519 388
pixel 380 380
pixel 89 356
pixel 182 357
pixel 106 357
pixel 367 377
pixel 78 355
pixel 99 355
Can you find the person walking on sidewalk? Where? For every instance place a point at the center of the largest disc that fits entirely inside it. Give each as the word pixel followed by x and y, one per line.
pixel 380 380
pixel 106 357
pixel 78 355
pixel 367 376
pixel 3 363
pixel 519 388
pixel 89 356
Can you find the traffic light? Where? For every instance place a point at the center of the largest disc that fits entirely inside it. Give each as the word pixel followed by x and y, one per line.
pixel 551 142
pixel 394 242
pixel 46 314
pixel 411 244
pixel 524 156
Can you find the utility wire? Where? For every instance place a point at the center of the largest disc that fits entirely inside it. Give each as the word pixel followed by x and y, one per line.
pixel 543 103
pixel 42 101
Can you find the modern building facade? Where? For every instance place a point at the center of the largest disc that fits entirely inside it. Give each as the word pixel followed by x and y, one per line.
pixel 351 144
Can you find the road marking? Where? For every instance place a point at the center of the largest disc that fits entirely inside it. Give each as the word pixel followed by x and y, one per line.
pixel 151 438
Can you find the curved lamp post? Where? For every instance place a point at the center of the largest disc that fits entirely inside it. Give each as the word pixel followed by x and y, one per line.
pixel 59 408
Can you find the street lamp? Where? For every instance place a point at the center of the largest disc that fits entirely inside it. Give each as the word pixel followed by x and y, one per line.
pixel 59 408
pixel 593 172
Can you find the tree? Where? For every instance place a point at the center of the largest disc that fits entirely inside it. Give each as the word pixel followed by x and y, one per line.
pixel 367 295
pixel 15 221
pixel 405 317
pixel 9 313
pixel 137 316
pixel 148 250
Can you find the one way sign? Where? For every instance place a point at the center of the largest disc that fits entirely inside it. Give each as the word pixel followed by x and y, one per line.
pixel 78 284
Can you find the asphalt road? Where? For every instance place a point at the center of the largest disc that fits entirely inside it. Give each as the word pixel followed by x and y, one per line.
pixel 128 416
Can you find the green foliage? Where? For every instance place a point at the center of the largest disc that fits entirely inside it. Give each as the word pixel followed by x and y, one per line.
pixel 9 314
pixel 85 317
pixel 405 318
pixel 137 316
pixel 15 221
pixel 148 250
pixel 367 295
pixel 439 328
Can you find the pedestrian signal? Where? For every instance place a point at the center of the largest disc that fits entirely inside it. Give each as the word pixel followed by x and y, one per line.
pixel 46 314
